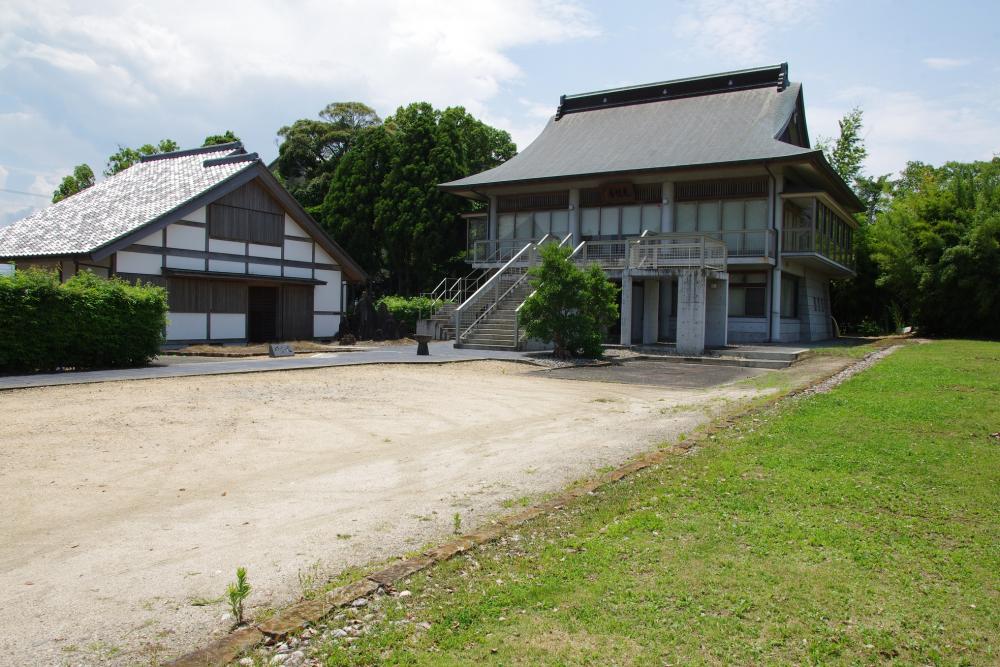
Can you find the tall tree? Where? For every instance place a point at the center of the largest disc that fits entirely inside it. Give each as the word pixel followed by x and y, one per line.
pixel 861 298
pixel 226 137
pixel 937 247
pixel 416 221
pixel 125 157
pixel 81 179
pixel 310 148
pixel 348 211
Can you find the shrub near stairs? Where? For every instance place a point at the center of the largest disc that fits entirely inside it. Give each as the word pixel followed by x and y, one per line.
pixel 571 306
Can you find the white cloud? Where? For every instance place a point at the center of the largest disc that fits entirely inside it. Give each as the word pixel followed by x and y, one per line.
pixel 946 63
pixel 741 30
pixel 389 51
pixel 81 78
pixel 900 126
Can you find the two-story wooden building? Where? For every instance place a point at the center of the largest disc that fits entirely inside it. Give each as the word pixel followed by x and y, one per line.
pixel 701 196
pixel 240 259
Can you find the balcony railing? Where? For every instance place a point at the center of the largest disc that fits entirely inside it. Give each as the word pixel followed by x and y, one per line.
pixel 747 242
pixel 654 252
pixel 805 239
pixel 756 243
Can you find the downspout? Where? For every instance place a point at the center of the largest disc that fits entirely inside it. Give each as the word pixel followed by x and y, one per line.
pixel 777 248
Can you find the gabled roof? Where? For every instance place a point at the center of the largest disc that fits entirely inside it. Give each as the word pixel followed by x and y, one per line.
pixel 734 117
pixel 121 203
pixel 148 196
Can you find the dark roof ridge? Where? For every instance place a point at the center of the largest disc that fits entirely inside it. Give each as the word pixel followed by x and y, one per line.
pixel 217 148
pixel 723 82
pixel 230 159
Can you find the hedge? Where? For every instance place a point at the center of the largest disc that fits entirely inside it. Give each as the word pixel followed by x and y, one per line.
pixel 86 322
pixel 409 309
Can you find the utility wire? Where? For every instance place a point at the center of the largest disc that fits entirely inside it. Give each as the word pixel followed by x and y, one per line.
pixel 22 192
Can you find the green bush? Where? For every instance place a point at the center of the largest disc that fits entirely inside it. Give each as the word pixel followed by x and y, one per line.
pixel 570 307
pixel 409 309
pixel 86 322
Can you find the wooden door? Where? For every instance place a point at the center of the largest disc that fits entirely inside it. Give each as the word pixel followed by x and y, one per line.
pixel 297 312
pixel 262 314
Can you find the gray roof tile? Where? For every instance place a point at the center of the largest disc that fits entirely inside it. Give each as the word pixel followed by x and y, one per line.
pixel 118 205
pixel 737 126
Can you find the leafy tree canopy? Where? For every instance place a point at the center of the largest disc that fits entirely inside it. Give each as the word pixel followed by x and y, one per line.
pixel 226 137
pixel 125 157
pixel 310 148
pixel 81 179
pixel 570 306
pixel 383 203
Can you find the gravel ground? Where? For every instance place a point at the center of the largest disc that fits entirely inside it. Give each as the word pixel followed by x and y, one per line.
pixel 129 505
pixel 356 620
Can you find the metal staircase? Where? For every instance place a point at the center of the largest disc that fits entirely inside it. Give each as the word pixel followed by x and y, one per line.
pixel 488 318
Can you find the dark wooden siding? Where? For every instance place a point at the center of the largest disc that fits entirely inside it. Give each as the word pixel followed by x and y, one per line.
pixel 252 196
pixel 296 312
pixel 734 188
pixel 190 295
pixel 247 214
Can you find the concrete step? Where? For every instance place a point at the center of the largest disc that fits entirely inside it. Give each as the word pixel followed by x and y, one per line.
pixel 789 355
pixel 488 340
pixel 713 360
pixel 476 346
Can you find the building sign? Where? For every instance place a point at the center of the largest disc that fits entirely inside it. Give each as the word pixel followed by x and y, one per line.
pixel 617 193
pixel 280 350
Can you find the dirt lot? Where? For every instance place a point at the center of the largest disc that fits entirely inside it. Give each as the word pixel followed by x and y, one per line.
pixel 127 504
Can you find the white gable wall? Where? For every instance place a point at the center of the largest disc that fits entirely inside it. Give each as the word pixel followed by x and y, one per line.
pixel 194 250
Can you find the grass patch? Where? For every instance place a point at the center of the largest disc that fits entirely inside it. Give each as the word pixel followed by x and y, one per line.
pixel 855 348
pixel 856 527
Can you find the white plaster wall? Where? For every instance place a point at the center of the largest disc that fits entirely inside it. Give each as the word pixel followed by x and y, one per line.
pixel 197 216
pixel 264 269
pixel 223 266
pixel 747 330
pixel 192 263
pixel 185 237
pixel 137 262
pixel 229 247
pixel 258 250
pixel 327 297
pixel 292 228
pixel 323 257
pixel 155 239
pixel 229 325
pixel 298 250
pixel 297 272
pixel 187 326
pixel 325 325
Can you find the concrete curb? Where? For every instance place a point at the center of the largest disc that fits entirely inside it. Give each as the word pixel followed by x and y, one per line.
pixel 308 612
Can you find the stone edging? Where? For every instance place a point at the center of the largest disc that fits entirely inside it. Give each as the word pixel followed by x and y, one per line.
pixel 301 614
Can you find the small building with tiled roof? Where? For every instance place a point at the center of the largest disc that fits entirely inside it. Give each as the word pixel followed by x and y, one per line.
pixel 702 197
pixel 240 258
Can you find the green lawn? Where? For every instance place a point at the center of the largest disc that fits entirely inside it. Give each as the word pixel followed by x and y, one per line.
pixel 856 527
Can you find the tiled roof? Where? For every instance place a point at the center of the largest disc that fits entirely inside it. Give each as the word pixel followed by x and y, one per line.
pixel 122 203
pixel 740 125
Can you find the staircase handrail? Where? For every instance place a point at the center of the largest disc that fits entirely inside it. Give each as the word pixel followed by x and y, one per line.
pixel 479 293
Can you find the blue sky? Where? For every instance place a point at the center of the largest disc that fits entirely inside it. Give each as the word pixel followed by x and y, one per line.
pixel 77 79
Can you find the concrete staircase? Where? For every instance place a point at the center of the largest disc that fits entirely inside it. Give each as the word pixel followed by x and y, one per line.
pixel 497 328
pixel 443 322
